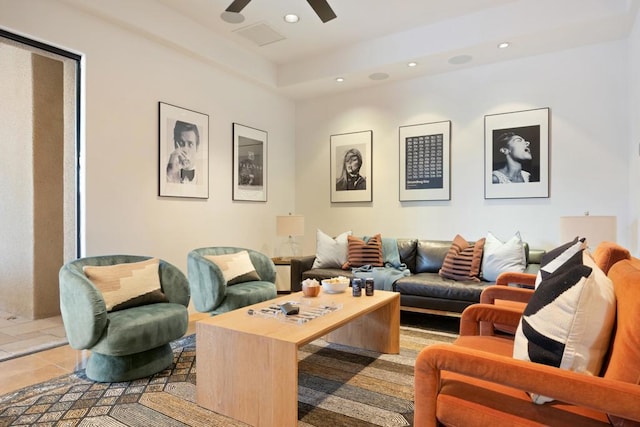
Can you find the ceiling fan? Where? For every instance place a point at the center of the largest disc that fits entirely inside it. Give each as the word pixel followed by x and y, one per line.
pixel 321 7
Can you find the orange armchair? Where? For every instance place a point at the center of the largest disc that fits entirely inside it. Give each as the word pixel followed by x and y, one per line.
pixel 476 382
pixel 605 256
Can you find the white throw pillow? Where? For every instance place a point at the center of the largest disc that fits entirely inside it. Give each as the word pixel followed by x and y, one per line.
pixel 568 321
pixel 330 252
pixel 500 257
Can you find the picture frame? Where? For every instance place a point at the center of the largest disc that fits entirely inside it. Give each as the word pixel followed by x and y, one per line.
pixel 249 164
pixel 517 154
pixel 346 186
pixel 183 140
pixel 425 161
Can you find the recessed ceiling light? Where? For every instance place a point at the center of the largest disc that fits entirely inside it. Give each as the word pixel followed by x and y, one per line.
pixel 232 17
pixel 412 64
pixel 504 45
pixel 339 79
pixel 291 18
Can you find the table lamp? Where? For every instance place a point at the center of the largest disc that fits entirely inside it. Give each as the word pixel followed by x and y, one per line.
pixel 595 229
pixel 290 226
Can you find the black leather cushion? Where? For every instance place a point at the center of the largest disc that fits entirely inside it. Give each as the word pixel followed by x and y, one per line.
pixel 430 255
pixel 407 251
pixel 435 286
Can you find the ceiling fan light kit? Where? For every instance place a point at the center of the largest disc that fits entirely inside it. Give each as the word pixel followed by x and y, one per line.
pixel 320 7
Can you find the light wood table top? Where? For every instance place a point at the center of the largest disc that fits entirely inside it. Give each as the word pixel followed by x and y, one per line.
pixel 248 365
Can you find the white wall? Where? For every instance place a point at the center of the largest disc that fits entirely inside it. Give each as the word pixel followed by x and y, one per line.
pixel 127 74
pixel 587 94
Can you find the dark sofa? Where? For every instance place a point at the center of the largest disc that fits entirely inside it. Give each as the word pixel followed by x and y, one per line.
pixel 424 290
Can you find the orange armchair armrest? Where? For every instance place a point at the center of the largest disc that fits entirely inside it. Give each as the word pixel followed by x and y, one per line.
pixel 478 319
pixel 497 292
pixel 526 279
pixel 600 394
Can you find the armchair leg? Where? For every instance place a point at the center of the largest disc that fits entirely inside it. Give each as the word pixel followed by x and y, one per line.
pixel 105 368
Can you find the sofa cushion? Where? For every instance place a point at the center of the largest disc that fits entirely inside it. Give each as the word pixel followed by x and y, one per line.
pixel 330 252
pixel 499 257
pixel 407 248
pixel 463 260
pixel 361 253
pixel 127 285
pixel 430 255
pixel 432 285
pixel 568 320
pixel 236 267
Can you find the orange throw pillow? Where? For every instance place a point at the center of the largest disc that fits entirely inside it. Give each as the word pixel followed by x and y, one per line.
pixel 463 260
pixel 361 253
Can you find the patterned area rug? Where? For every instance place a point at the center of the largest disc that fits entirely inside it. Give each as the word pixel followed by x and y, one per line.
pixel 338 386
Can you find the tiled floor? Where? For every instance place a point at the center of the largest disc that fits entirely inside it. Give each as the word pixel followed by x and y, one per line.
pixel 44 365
pixel 19 336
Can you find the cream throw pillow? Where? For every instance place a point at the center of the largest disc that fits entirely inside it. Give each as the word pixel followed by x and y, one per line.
pixel 500 257
pixel 330 252
pixel 236 267
pixel 127 285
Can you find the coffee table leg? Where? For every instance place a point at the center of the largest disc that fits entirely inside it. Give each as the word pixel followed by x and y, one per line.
pixel 247 377
pixel 378 330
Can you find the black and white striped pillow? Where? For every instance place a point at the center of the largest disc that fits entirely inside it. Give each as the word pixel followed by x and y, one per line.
pixel 568 320
pixel 559 256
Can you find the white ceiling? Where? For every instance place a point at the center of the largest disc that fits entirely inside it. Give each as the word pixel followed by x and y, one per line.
pixel 369 36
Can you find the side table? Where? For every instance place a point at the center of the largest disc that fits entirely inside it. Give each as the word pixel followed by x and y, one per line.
pixel 283 274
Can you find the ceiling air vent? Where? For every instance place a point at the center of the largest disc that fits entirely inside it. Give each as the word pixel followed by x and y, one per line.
pixel 260 34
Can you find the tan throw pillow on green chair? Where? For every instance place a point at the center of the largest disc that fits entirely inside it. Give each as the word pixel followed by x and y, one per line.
pixel 127 285
pixel 236 267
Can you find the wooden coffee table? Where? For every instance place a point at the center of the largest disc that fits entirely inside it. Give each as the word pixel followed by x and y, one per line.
pixel 248 365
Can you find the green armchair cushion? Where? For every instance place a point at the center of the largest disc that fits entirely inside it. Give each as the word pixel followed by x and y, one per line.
pixel 141 328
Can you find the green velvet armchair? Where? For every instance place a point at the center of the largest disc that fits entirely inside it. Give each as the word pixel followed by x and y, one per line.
pixel 128 343
pixel 214 294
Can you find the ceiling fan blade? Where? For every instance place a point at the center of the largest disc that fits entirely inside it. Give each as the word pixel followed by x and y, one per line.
pixel 237 5
pixel 322 9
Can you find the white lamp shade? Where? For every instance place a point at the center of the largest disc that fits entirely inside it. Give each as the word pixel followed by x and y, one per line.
pixel 290 225
pixel 595 229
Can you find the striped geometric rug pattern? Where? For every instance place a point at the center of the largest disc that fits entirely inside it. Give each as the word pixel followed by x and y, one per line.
pixel 338 386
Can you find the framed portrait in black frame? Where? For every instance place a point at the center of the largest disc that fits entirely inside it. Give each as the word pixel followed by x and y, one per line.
pixel 351 167
pixel 425 152
pixel 249 164
pixel 516 154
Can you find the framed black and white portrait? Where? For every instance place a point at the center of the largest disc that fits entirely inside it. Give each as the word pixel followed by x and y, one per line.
pixel 249 164
pixel 351 167
pixel 425 161
pixel 517 154
pixel 184 152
